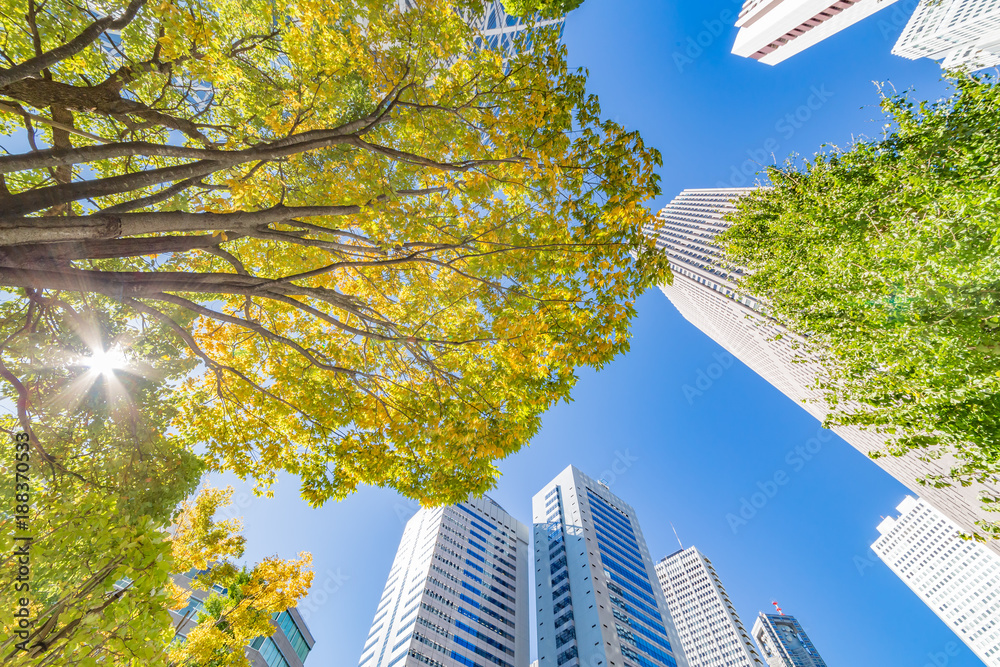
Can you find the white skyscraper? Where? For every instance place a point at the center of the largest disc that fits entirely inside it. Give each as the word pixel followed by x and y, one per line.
pixel 705 294
pixel 598 600
pixel 709 628
pixel 962 34
pixel 457 593
pixel 784 643
pixel 958 579
pixel 774 30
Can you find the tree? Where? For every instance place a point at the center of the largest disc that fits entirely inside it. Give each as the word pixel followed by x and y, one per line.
pixel 386 249
pixel 886 257
pixel 545 8
pixel 101 586
pixel 104 482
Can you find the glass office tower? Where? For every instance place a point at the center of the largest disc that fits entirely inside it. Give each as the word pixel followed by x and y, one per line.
pixel 784 643
pixel 457 593
pixel 288 646
pixel 598 600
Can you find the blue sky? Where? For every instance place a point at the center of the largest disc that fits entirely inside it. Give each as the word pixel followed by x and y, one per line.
pixel 664 68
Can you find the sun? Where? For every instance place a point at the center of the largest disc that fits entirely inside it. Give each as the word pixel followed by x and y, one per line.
pixel 106 362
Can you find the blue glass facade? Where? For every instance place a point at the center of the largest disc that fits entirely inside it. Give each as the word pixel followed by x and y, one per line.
pixel 599 603
pixel 461 595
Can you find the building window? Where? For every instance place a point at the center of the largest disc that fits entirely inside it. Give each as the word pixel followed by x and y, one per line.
pixel 269 651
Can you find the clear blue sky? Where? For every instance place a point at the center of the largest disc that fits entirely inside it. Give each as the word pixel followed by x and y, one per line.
pixel 691 463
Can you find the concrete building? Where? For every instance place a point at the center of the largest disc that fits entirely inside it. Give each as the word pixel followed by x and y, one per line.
pixel 958 579
pixel 709 628
pixel 784 643
pixel 289 646
pixel 962 34
pixel 457 593
pixel 705 293
pixel 774 30
pixel 598 601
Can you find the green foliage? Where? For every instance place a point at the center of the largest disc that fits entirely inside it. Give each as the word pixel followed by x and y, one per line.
pixel 886 256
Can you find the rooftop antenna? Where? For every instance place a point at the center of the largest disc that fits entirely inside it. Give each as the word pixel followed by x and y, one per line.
pixel 675 535
pixel 780 613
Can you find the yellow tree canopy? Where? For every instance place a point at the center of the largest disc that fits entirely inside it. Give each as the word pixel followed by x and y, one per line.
pixel 388 249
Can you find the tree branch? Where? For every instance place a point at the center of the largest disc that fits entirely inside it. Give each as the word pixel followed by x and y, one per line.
pixel 34 66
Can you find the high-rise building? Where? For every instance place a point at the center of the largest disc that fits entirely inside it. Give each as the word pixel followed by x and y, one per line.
pixel 962 34
pixel 457 593
pixel 598 600
pixel 497 28
pixel 704 292
pixel 958 579
pixel 784 643
pixel 709 628
pixel 288 646
pixel 774 30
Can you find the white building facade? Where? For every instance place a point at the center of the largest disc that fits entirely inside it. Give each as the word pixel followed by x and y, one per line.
pixel 784 643
pixel 705 294
pixel 774 30
pixel 958 579
pixel 962 34
pixel 598 600
pixel 707 624
pixel 457 593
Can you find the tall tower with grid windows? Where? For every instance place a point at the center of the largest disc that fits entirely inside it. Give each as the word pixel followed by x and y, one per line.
pixel 457 593
pixel 707 623
pixel 959 580
pixel 962 34
pixel 705 293
pixel 597 597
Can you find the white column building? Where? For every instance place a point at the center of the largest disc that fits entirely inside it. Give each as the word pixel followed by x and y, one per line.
pixel 705 294
pixel 962 34
pixel 457 593
pixel 784 643
pixel 774 30
pixel 709 628
pixel 958 579
pixel 598 600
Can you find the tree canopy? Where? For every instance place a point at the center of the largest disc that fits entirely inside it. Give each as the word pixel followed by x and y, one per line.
pixel 886 257
pixel 544 8
pixel 382 251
